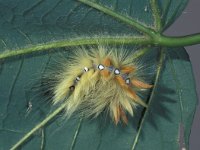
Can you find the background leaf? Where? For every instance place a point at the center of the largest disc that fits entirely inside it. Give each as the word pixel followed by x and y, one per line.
pixel 26 23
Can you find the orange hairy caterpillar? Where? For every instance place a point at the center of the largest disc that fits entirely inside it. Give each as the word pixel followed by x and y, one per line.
pixel 99 79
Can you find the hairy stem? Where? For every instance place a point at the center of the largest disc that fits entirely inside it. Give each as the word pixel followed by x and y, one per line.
pixel 156 15
pixel 76 42
pixel 158 40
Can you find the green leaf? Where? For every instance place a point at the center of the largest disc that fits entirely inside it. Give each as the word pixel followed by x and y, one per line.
pixel 171 104
pixel 28 23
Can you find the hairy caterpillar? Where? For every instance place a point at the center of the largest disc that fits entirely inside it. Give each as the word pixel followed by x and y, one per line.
pixel 99 79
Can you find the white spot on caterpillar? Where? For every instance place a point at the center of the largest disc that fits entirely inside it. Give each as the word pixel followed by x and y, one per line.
pixel 86 69
pixel 117 71
pixel 78 79
pixel 101 67
pixel 128 81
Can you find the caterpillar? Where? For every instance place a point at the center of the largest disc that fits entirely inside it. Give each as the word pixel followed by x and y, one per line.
pixel 99 79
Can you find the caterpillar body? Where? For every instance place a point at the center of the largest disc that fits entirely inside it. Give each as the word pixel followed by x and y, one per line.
pixel 100 79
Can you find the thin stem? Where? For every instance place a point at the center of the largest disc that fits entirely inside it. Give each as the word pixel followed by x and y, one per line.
pixel 156 14
pixel 76 42
pixel 125 19
pixel 160 64
pixel 165 13
pixel 76 134
pixel 37 127
pixel 42 140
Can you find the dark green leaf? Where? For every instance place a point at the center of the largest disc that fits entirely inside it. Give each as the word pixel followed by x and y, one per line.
pixel 24 23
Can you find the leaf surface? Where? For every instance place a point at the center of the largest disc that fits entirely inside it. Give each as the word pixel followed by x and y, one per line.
pixel 27 23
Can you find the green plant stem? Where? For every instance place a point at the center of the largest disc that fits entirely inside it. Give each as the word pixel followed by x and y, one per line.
pixel 76 134
pixel 168 41
pixel 157 40
pixel 42 140
pixel 76 42
pixel 156 14
pixel 129 21
pixel 37 127
pixel 154 38
pixel 160 64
